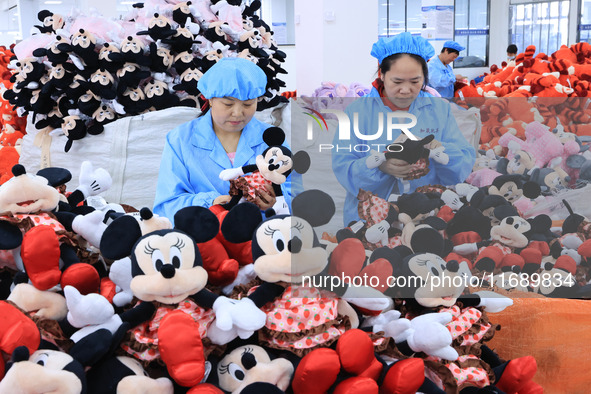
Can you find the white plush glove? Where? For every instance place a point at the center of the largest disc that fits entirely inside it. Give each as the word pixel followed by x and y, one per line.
pixel 429 335
pixel 367 298
pixel 375 159
pixel 90 226
pixel 439 155
pixel 493 302
pixel 378 233
pixel 231 173
pixel 245 275
pixel 241 314
pixel 77 61
pixel 466 190
pixel 120 274
pixel 465 249
pixel 221 337
pixel 451 199
pixel 93 182
pixel 390 323
pixel 84 310
pixel 280 207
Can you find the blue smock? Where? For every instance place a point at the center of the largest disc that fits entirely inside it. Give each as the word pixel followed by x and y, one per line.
pixel 192 160
pixel 433 117
pixel 441 78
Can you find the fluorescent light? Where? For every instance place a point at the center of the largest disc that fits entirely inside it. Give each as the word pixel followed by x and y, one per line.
pixel 52 2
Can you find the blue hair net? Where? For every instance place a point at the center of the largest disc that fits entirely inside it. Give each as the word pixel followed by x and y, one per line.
pixel 402 43
pixel 233 77
pixel 453 45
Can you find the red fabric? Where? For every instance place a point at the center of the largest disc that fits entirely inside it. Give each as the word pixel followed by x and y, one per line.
pixel 241 252
pixel 466 237
pixel 108 289
pixel 379 85
pixel 221 270
pixel 459 259
pixel 205 388
pixel 542 246
pixel 566 263
pixel 347 258
pixel 492 252
pixel 357 384
pixel 356 352
pixel 16 329
pixel 404 377
pixel 514 259
pixel 446 213
pixel 180 349
pixel 517 374
pixel 531 255
pixel 316 372
pixel 585 248
pixel 40 252
pixel 380 269
pixel 83 277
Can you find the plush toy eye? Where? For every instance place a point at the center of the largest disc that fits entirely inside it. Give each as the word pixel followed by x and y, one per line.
pixel 278 241
pixel 42 360
pixel 236 372
pixel 157 259
pixel 175 257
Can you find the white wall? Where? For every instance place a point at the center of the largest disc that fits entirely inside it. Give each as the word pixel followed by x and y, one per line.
pixel 337 49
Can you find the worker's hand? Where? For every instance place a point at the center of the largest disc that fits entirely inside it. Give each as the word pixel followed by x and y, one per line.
pixel 395 167
pixel 222 199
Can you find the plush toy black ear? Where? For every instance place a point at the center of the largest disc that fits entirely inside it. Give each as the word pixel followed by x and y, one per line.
pixel 241 222
pixel 315 206
pixel 200 223
pixel 540 223
pixel 386 253
pixel 427 240
pixel 504 211
pixel 273 136
pixel 427 139
pixel 301 162
pixel 261 388
pixel 435 222
pixel 477 198
pixel 573 220
pixel 119 237
pixel 10 236
pixel 531 190
pixel 44 14
pixel 55 175
pixel 575 161
pixel 502 165
pixel 18 169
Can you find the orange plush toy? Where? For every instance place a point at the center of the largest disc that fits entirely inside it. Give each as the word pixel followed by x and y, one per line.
pixel 9 156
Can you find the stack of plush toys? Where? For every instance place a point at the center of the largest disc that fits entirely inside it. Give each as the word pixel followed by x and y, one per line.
pixel 12 126
pixel 102 299
pixel 79 73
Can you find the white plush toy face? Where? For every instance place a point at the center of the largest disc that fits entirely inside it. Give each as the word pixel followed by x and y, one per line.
pixel 289 251
pixel 274 164
pixel 511 232
pixel 439 287
pixel 250 364
pixel 27 194
pixel 169 273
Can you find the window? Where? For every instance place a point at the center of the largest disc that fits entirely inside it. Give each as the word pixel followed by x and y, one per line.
pixel 279 15
pixel 397 16
pixel 584 28
pixel 543 24
pixel 471 32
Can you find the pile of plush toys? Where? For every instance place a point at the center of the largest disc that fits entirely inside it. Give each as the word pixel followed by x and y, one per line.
pixel 79 73
pixel 100 299
pixel 12 127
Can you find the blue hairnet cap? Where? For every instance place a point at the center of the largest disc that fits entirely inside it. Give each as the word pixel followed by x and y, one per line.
pixel 453 45
pixel 233 77
pixel 402 43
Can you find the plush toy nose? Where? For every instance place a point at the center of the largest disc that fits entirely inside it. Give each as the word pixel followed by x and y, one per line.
pixel 295 245
pixel 273 167
pixel 453 266
pixel 167 271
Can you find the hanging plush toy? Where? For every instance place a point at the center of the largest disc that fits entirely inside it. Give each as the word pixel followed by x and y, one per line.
pixel 271 170
pixel 167 271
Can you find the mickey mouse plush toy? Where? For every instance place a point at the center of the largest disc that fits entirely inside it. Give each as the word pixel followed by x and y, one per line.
pixel 169 278
pixel 271 169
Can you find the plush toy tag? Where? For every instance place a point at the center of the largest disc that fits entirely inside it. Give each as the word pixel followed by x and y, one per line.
pixel 43 141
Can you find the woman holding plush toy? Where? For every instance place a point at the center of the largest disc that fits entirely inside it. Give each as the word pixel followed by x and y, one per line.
pixel 227 136
pixel 400 86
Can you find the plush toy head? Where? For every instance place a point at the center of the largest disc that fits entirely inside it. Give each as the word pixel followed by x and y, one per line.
pixel 166 264
pixel 250 364
pixel 26 193
pixel 511 232
pixel 284 248
pixel 275 162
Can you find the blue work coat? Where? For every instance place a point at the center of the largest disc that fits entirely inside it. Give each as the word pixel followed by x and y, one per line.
pixel 441 78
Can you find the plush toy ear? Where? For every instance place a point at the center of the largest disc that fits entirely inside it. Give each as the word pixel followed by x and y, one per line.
pixel 55 175
pixel 241 222
pixel 301 162
pixel 10 236
pixel 273 136
pixel 531 190
pixel 386 253
pixel 427 240
pixel 504 211
pixel 435 222
pixel 200 223
pixel 315 206
pixel 476 199
pixel 427 139
pixel 502 165
pixel 119 237
pixel 575 161
pixel 540 223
